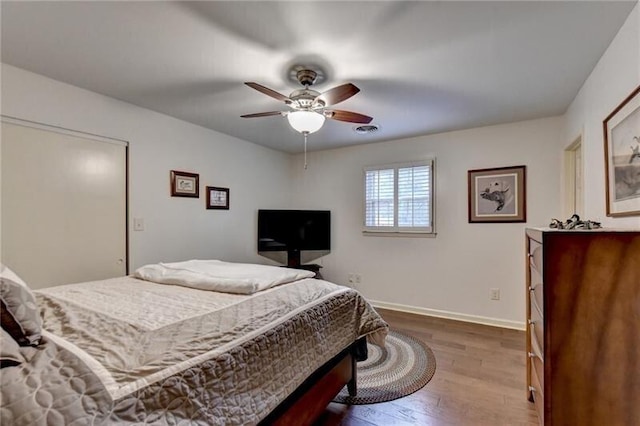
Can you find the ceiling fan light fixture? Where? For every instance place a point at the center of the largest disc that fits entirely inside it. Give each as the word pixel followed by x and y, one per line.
pixel 305 121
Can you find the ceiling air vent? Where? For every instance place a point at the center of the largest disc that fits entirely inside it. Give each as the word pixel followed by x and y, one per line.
pixel 366 129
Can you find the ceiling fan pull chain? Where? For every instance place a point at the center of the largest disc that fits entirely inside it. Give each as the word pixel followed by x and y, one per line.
pixel 305 149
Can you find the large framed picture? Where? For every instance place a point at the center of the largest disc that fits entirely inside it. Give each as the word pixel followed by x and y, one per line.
pixel 497 195
pixel 217 198
pixel 622 157
pixel 184 184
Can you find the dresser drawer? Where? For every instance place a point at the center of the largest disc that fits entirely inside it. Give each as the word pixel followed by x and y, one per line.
pixel 535 255
pixel 536 325
pixel 538 393
pixel 537 358
pixel 536 288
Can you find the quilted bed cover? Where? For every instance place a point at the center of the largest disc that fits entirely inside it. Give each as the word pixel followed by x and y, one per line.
pixel 128 351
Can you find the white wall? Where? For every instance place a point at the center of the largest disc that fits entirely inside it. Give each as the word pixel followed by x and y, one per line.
pixel 454 271
pixel 448 275
pixel 615 76
pixel 451 274
pixel 175 228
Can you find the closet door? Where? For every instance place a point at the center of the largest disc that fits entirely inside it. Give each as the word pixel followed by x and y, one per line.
pixel 64 210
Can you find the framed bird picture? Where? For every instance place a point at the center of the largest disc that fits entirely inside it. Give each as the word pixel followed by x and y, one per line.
pixel 622 157
pixel 497 195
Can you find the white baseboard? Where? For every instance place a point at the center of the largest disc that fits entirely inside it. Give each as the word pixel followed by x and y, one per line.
pixel 496 322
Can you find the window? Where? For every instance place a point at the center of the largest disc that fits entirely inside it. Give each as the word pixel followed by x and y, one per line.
pixel 399 198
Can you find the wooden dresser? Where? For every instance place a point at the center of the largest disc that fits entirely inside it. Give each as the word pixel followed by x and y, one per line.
pixel 583 326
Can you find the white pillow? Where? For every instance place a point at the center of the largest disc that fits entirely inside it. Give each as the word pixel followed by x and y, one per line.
pixel 5 272
pixel 216 275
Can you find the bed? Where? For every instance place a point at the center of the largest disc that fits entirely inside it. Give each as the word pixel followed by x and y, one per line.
pixel 180 350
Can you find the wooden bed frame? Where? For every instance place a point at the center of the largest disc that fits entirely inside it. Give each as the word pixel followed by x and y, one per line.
pixel 311 398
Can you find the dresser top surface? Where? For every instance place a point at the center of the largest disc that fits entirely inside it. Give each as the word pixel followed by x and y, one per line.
pixel 580 230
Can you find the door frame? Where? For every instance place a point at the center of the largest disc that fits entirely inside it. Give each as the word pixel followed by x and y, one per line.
pixel 570 167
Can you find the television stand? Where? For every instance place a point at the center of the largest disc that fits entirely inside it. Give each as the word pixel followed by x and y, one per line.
pixel 313 267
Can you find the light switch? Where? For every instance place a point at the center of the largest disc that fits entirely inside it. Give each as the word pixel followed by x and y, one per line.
pixel 138 224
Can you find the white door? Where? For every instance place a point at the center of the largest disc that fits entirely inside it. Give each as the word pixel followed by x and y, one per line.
pixel 64 211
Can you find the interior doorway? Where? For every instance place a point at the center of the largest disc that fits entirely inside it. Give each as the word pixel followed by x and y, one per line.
pixel 574 179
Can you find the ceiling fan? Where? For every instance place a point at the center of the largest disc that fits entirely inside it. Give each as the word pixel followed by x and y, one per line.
pixel 310 108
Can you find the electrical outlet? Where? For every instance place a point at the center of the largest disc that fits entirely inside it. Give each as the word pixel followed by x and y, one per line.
pixel 352 278
pixel 495 293
pixel 358 278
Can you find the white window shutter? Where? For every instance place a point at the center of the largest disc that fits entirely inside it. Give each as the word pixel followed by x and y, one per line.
pixel 413 196
pixel 399 198
pixel 379 197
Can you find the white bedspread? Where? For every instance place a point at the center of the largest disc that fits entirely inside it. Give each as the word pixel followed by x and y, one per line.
pixel 216 275
pixel 129 352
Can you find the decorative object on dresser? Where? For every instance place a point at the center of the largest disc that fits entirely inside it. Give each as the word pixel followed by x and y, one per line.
pixel 217 198
pixel 497 195
pixel 185 184
pixel 574 222
pixel 622 157
pixel 583 323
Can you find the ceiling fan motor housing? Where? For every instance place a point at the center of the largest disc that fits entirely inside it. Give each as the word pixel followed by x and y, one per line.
pixel 306 77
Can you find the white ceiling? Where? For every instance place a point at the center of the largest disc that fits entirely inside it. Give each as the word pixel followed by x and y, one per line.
pixel 422 67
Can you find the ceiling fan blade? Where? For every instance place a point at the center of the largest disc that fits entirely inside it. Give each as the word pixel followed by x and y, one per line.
pixel 262 114
pixel 350 117
pixel 268 92
pixel 338 94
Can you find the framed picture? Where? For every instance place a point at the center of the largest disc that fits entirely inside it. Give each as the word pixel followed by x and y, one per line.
pixel 184 184
pixel 622 157
pixel 497 195
pixel 217 198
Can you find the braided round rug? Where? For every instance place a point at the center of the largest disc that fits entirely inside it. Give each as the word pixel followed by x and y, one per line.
pixel 404 366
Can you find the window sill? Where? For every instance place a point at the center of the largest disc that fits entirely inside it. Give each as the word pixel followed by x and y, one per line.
pixel 399 234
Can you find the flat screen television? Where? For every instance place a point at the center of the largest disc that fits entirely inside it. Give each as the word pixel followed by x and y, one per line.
pixel 294 236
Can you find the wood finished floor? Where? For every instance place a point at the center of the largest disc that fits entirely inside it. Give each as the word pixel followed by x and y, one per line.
pixel 479 379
